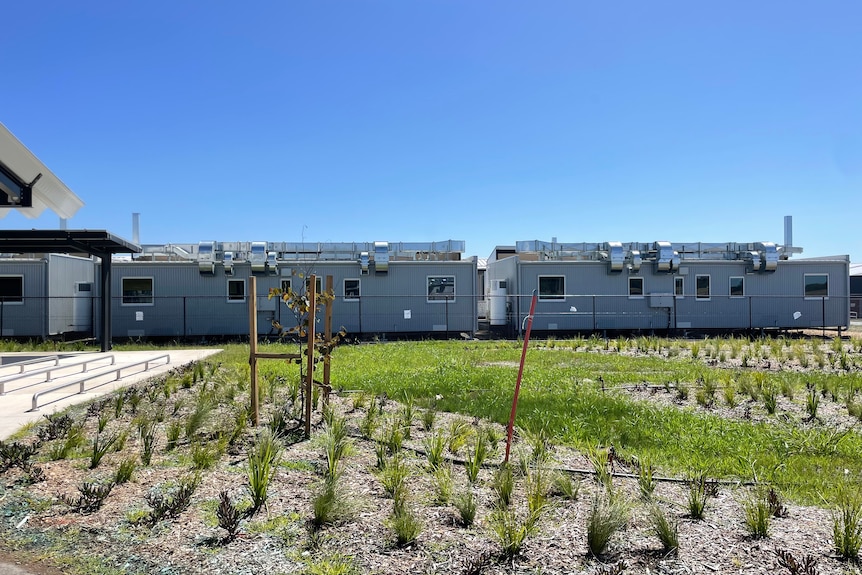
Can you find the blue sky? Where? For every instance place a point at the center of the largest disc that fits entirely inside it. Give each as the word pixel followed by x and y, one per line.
pixel 489 122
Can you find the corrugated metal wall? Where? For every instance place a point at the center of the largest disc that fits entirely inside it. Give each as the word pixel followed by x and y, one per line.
pixel 598 300
pixel 27 318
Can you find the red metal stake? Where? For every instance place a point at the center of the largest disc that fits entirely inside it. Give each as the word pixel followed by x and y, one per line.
pixel 511 426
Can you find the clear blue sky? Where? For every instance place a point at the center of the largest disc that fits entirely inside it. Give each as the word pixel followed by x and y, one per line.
pixel 485 121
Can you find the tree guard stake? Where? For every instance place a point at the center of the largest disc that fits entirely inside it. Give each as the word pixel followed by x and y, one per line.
pixel 511 425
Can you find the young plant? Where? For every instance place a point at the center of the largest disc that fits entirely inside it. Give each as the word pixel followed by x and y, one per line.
pixel 847 524
pixel 607 515
pixel 405 524
pixel 394 477
pixel 503 485
pixel 466 505
pixel 90 498
pixel 757 515
pixel 148 441
pixel 329 505
pixel 475 458
pixel 204 456
pixel 263 459
pixel 697 495
pixel 812 401
pixel 336 445
pixel 428 418
pixel 124 471
pixel 666 529
pixel 565 486
pixel 510 531
pixel 434 444
pixel 173 435
pixel 459 432
pixel 442 483
pixel 808 565
pixel 646 480
pixel 171 505
pixel 101 445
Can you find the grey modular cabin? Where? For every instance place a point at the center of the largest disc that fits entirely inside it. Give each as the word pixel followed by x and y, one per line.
pixel 664 286
pixel 46 296
pixel 380 288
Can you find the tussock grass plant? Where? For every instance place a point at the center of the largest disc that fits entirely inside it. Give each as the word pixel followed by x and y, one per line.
pixel 148 441
pixel 429 416
pixel 600 462
pixel 441 481
pixel 565 486
pixel 172 433
pixel 394 476
pixel 537 488
pixel 407 414
pixel 406 525
pixel 812 401
pixel 666 528
pixel 434 444
pixel 74 439
pixel 329 505
pixel 728 392
pixel 503 484
pixel 475 459
pixel 697 495
pixel 263 459
pixel 608 514
pixel 125 470
pixel 119 402
pixel 100 446
pixel 510 530
pixel 102 423
pixel 770 398
pixel 757 514
pixel 646 479
pixel 467 505
pixel 198 417
pixel 336 445
pixel 204 456
pixel 459 434
pixel 847 522
pixel 394 436
pixel 369 424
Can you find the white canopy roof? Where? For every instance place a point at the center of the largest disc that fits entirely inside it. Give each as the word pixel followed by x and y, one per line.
pixel 48 192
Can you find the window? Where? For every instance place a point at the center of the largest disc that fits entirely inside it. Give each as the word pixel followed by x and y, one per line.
pixel 552 287
pixel 12 289
pixel 679 286
pixel 737 286
pixel 816 285
pixel 351 290
pixel 701 287
pixel 285 286
pixel 235 290
pixel 441 288
pixel 137 291
pixel 636 287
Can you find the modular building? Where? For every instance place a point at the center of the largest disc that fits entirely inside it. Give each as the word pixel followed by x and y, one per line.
pixel 615 286
pixel 46 296
pixel 380 287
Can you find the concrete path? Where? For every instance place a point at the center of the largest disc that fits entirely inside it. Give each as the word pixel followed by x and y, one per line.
pixel 15 405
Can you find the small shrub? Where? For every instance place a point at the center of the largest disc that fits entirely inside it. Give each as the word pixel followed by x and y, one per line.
pixel 805 567
pixel 171 505
pixel 90 497
pixel 58 425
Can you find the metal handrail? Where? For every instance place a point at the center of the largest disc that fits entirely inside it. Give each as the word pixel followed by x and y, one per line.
pixel 83 380
pixel 20 364
pixel 49 370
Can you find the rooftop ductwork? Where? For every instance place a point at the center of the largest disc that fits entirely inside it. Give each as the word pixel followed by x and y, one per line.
pixel 228 263
pixel 617 257
pixel 363 262
pixel 666 259
pixel 257 257
pixel 206 257
pixel 769 257
pixel 272 263
pixel 381 257
pixel 635 260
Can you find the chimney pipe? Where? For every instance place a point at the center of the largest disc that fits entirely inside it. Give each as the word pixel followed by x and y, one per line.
pixel 136 228
pixel 788 231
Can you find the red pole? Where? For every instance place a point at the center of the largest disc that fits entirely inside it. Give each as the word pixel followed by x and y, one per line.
pixel 511 425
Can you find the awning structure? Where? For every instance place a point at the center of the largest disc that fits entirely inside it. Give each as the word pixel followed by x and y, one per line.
pixel 28 185
pixel 97 243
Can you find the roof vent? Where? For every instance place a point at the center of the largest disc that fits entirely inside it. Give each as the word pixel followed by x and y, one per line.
pixel 257 257
pixel 363 262
pixel 666 259
pixel 769 256
pixel 617 256
pixel 635 259
pixel 228 263
pixel 272 262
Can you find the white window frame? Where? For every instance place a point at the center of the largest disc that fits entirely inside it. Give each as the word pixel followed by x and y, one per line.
pixel 636 296
pixel 152 296
pixel 730 287
pixel 561 297
pixel 358 289
pixel 679 280
pixel 233 299
pixel 697 295
pixel 805 286
pixel 15 301
pixel 438 298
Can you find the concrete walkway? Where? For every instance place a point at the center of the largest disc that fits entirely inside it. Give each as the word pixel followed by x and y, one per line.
pixel 15 405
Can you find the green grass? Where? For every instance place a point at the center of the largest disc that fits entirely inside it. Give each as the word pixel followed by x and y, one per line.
pixel 560 393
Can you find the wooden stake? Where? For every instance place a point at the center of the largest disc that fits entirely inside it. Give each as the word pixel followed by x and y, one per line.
pixel 327 338
pixel 309 385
